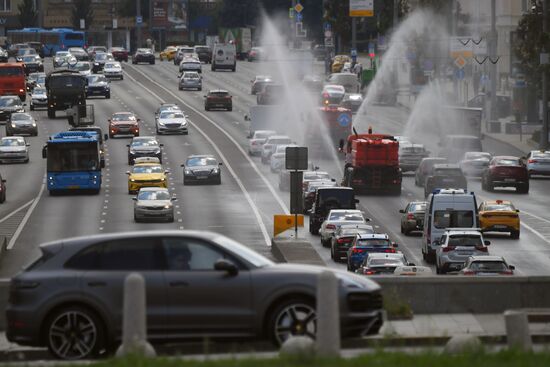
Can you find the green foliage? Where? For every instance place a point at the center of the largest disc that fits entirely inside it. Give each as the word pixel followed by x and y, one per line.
pixel 437 6
pixel 396 308
pixel 28 15
pixel 336 12
pixel 82 10
pixel 127 8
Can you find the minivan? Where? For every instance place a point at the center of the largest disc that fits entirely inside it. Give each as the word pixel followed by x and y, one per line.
pixel 326 199
pixel 447 208
pixel 224 56
pixel 453 147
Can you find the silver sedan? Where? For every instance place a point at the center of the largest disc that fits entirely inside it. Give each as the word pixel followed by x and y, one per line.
pixel 14 149
pixel 336 218
pixel 153 203
pixel 538 162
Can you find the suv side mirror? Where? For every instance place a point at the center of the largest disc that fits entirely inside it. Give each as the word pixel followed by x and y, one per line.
pixel 511 267
pixel 394 244
pixel 227 266
pixel 487 243
pixel 411 264
pixel 402 211
pixel 106 137
pixel 356 201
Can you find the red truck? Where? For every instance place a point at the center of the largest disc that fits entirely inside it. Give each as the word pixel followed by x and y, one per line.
pixel 12 80
pixel 372 164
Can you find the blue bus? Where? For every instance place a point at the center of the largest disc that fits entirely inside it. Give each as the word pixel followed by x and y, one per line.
pixel 73 162
pixel 52 40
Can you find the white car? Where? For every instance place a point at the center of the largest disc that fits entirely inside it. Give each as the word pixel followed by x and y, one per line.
pixel 172 122
pixel 269 146
pixel 83 67
pixel 337 217
pixel 62 57
pixel 14 149
pixel 39 98
pixel 538 162
pixel 113 69
pixel 190 64
pixel 154 203
pixel 257 140
pixel 278 157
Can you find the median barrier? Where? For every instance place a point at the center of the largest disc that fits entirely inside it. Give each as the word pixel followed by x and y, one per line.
pixel 295 250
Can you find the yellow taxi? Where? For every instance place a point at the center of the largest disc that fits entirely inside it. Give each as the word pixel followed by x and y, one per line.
pixel 499 216
pixel 168 53
pixel 146 172
pixel 338 63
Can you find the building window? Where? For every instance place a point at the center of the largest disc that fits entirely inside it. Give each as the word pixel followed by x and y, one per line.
pixel 5 5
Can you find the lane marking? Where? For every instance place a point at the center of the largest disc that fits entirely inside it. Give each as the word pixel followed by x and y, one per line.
pixel 255 209
pixel 16 211
pixel 27 216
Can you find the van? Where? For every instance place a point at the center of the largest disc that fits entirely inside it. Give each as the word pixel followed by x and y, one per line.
pixel 326 199
pixel 447 208
pixel 453 147
pixel 224 56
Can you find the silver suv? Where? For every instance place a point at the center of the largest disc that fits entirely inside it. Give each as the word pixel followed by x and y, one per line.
pixel 456 246
pixel 190 80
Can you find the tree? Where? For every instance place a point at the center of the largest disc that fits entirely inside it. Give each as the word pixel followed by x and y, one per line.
pixel 127 8
pixel 82 10
pixel 27 14
pixel 336 12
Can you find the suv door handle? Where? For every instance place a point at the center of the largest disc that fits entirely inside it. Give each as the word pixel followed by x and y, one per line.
pixel 97 284
pixel 178 283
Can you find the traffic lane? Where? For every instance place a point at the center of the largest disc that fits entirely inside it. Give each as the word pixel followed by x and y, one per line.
pixel 220 208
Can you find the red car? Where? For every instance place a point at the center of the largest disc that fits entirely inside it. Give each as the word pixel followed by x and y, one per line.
pixel 123 123
pixel 119 53
pixel 218 98
pixel 506 171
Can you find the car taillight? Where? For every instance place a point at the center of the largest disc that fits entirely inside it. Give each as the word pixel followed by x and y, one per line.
pixel 532 161
pixel 330 226
pixel 507 272
pixel 410 216
pixel 227 97
pixel 481 248
pixel 448 248
pixel 468 272
pixel 343 240
pixel 357 250
pixel 368 272
pixel 390 250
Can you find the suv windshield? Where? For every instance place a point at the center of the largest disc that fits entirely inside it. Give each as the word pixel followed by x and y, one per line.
pixel 194 162
pixel 336 198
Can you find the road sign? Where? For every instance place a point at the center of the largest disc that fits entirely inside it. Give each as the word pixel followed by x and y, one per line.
pixel 328 34
pixel 299 17
pixel 299 7
pixel 353 52
pixel 361 8
pixel 139 19
pixel 296 158
pixel 329 41
pixel 459 74
pixel 291 13
pixel 296 195
pixel 300 31
pixel 460 62
pixel 344 119
pixel 327 26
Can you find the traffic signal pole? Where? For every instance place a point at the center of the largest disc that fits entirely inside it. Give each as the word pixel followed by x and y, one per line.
pixel 543 143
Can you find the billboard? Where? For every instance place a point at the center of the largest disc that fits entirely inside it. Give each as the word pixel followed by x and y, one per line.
pixel 170 14
pixel 361 8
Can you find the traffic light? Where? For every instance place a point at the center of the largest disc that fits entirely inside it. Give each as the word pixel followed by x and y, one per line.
pixel 372 55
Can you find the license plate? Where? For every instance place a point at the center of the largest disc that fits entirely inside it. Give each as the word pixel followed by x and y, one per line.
pixel 202 177
pixel 509 180
pixel 73 187
pixel 500 226
pixel 447 180
pixel 455 266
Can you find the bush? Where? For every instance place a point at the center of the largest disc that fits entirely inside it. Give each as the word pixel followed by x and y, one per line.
pixel 536 136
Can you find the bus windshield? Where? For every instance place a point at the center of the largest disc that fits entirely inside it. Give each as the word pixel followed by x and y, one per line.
pixel 73 157
pixel 11 71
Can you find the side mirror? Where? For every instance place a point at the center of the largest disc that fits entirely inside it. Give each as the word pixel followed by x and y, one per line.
pixel 167 171
pixel 108 120
pixel 24 104
pixel 28 144
pixel 173 198
pixel 395 244
pixel 106 137
pixel 161 145
pixel 4 181
pixel 333 180
pixel 402 211
pixel 356 201
pixel 517 210
pixel 227 266
pixel 524 158
pixel 182 165
pixel 127 172
pixel 138 120
pixel 128 145
pixel 487 243
pixel 134 198
pixel 102 164
pixel 204 96
pixel 247 118
pixel 45 152
pixel 411 264
pixel 220 164
pixel 511 267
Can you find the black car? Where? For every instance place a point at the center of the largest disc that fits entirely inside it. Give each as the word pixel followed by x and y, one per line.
pixel 445 176
pixel 199 284
pixel 100 58
pixel 9 105
pixel 79 53
pixel 425 169
pixel 201 168
pixel 204 53
pixel 98 85
pixel 326 199
pixel 21 123
pixel 32 64
pixel 143 55
pixel 144 146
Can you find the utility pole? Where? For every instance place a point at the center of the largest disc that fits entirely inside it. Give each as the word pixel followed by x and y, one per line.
pixel 354 33
pixel 395 14
pixel 138 25
pixel 543 144
pixel 493 60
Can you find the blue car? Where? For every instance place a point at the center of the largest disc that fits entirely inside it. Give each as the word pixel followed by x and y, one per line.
pixel 363 244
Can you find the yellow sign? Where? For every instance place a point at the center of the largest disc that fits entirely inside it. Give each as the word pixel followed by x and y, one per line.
pixel 361 8
pixel 299 7
pixel 283 222
pixel 460 62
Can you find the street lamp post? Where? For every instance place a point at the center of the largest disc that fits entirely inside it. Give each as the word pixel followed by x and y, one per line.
pixel 138 25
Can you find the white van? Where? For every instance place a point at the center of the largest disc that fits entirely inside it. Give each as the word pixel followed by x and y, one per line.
pixel 224 56
pixel 447 208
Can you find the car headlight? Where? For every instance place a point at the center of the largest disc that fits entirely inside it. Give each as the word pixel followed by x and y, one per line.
pixel 96 63
pixel 132 180
pixel 132 151
pixel 161 122
pixel 34 124
pixel 167 206
pixel 184 123
pixel 163 179
pixel 12 124
pixel 188 172
pixel 215 171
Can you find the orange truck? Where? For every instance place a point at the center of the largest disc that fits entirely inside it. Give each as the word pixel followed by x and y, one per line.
pixel 372 164
pixel 12 80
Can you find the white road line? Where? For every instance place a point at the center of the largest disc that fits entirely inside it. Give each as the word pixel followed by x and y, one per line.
pixel 535 232
pixel 27 216
pixel 255 209
pixel 16 211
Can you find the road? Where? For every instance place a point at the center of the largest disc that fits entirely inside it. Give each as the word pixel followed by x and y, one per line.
pixel 243 206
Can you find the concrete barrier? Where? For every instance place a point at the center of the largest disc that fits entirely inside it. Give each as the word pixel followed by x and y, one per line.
pixel 291 250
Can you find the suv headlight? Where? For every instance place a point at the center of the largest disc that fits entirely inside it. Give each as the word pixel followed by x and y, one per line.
pixel 215 171
pixel 188 172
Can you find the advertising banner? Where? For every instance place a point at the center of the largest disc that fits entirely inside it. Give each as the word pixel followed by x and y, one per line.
pixel 170 14
pixel 361 8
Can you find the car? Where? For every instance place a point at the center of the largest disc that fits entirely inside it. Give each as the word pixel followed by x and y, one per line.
pixel 538 162
pixel 453 147
pixel 98 85
pixel 473 164
pixel 190 80
pixel 218 98
pixel 313 83
pixel 337 217
pixel 348 80
pixel 34 79
pixel 455 246
pixel 144 146
pixel 307 176
pixel 146 172
pixel 338 63
pixel 260 298
pixel 119 53
pixel 94 50
pixel 99 60
pixel 123 123
pixel 445 176
pixel 352 101
pixel 204 52
pixel 278 158
pixel 14 48
pixel 21 123
pixel 172 122
pixel 113 70
pixel 166 107
pixel 268 148
pixel 486 265
pixel 256 54
pixel 9 105
pixel 153 203
pixel 343 237
pixel 168 53
pixel 365 244
pixel 271 94
pixel 202 168
pixel 332 94
pixel 184 51
pixel 412 218
pixel 311 191
pixel 143 55
pixel 410 156
pixel 21 53
pixel 32 64
pixel 79 53
pixel 506 171
pixel 326 199
pixel 319 52
pixel 382 263
pixel 14 149
pixel 39 98
pixel 83 67
pixel 38 47
pixel 499 216
pixel 190 64
pixel 4 56
pixel 61 58
pixel 259 82
pixel 425 169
